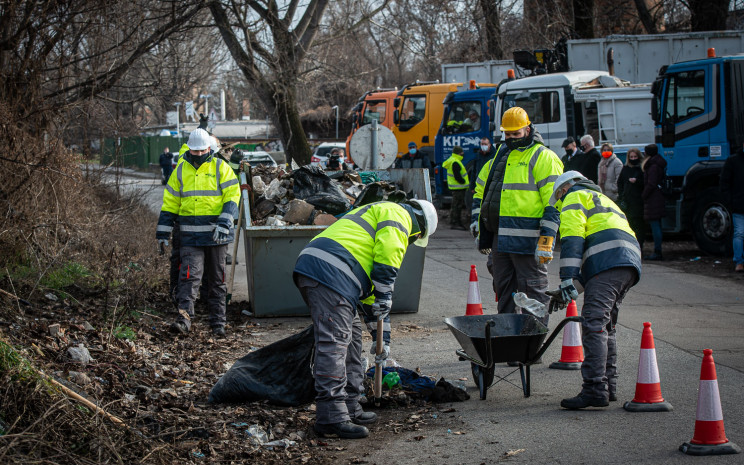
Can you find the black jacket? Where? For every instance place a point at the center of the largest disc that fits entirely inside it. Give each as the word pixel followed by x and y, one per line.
pixel 654 172
pixel 630 194
pixel 732 186
pixel 575 163
pixel 480 160
pixel 589 163
pixel 165 159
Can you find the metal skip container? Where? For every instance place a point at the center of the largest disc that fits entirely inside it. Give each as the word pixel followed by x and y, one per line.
pixel 271 253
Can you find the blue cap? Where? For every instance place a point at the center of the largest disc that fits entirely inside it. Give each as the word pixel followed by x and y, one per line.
pixel 412 145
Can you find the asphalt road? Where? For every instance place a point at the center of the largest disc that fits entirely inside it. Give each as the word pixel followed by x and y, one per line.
pixel 689 312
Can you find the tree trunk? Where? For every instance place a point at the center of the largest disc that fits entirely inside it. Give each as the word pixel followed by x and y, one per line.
pixel 296 146
pixel 708 15
pixel 645 16
pixel 584 18
pixel 494 51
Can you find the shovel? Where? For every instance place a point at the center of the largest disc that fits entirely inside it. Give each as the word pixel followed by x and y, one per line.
pixel 378 366
pixel 235 256
pixel 531 306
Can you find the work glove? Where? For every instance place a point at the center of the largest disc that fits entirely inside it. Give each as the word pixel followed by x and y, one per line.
pixel 162 244
pixel 561 297
pixel 382 356
pixel 483 251
pixel 474 228
pixel 221 234
pixel 544 250
pixel 381 309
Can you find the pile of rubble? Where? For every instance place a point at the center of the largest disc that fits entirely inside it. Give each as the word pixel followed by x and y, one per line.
pixel 310 196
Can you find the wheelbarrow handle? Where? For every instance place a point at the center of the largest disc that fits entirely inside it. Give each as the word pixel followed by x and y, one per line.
pixel 564 322
pixel 489 351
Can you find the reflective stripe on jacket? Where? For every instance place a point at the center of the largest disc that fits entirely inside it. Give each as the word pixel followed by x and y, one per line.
pixel 518 209
pixel 452 182
pixel 199 199
pixel 359 255
pixel 595 235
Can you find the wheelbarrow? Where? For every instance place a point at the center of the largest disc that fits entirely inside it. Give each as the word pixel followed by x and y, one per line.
pixel 511 337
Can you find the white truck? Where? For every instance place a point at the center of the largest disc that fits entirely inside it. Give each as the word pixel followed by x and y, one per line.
pixel 581 102
pixel 636 58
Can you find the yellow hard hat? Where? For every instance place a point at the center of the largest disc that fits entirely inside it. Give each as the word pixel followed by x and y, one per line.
pixel 514 119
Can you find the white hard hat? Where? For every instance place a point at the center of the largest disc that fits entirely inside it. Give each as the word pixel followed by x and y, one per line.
pixel 568 176
pixel 431 219
pixel 215 145
pixel 199 139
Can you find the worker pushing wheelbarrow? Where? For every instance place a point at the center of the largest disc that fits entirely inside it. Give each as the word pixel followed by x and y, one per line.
pixel 507 337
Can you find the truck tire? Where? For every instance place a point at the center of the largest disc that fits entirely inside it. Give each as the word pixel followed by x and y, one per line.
pixel 711 223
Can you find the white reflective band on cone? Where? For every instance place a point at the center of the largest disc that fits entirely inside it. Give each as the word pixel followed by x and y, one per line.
pixel 648 371
pixel 709 402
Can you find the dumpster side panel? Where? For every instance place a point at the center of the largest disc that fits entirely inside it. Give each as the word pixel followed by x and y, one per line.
pixel 273 251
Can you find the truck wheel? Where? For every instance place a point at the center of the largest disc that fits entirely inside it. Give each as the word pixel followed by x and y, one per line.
pixel 711 223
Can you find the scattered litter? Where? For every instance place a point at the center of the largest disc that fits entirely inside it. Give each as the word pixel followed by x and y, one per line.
pixel 51 296
pixel 513 452
pixel 197 454
pixel 717 262
pixel 695 259
pixel 79 354
pixel 239 425
pixel 246 313
pixel 279 443
pixel 257 435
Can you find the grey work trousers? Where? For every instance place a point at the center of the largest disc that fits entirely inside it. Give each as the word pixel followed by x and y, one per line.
pixel 195 263
pixel 338 369
pixel 603 294
pixel 514 273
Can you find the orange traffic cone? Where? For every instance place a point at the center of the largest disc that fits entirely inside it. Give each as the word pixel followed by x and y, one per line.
pixel 648 387
pixel 572 353
pixel 710 437
pixel 474 306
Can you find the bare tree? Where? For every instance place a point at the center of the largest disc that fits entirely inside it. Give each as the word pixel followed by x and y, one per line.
pixel 584 18
pixel 493 28
pixel 708 15
pixel 645 16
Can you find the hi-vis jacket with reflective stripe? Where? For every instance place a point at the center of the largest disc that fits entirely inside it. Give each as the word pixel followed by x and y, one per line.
pixel 359 255
pixel 595 235
pixel 511 197
pixel 199 199
pixel 451 164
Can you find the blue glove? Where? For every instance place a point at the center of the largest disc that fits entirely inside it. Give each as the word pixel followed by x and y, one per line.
pixel 221 234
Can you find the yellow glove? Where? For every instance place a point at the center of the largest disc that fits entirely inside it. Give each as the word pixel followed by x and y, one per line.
pixel 544 250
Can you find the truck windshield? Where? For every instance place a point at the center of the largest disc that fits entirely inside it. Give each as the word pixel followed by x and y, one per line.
pixel 463 117
pixel 412 111
pixel 685 96
pixel 541 107
pixel 374 110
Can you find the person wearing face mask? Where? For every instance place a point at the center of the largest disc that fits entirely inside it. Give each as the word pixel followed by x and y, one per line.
pixel 608 171
pixel 590 159
pixel 413 159
pixel 572 160
pixel 202 194
pixel 516 225
pixel 630 193
pixel 483 154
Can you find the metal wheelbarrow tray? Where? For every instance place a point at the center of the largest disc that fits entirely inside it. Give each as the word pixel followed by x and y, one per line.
pixel 511 337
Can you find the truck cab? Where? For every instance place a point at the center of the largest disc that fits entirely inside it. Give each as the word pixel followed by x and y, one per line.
pixel 418 115
pixel 698 111
pixel 458 127
pixel 373 105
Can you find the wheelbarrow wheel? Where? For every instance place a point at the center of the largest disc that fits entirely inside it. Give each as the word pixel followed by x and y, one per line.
pixel 483 378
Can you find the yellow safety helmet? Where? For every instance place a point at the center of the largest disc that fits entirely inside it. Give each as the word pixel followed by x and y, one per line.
pixel 514 119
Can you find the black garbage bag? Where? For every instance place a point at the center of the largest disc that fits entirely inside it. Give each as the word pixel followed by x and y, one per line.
pixel 312 185
pixel 279 373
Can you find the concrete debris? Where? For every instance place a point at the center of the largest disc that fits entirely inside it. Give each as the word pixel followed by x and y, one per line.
pixel 274 202
pixel 81 379
pixel 55 330
pixel 79 354
pixel 299 212
pixel 324 219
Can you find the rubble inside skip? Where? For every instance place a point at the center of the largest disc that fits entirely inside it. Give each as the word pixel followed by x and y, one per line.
pixel 312 196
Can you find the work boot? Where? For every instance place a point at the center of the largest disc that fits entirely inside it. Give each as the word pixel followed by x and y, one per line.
pixel 228 259
pixel 345 430
pixel 179 327
pixel 613 393
pixel 739 267
pixel 218 331
pixel 583 401
pixel 364 418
